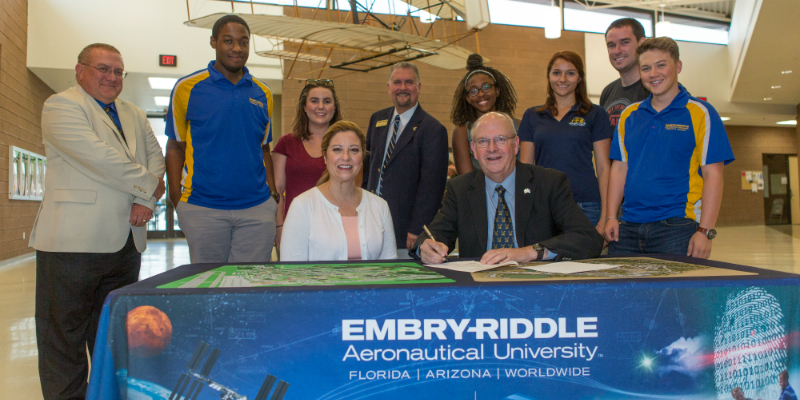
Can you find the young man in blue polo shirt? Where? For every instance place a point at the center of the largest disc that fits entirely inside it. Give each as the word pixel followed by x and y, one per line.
pixel 668 154
pixel 787 393
pixel 219 166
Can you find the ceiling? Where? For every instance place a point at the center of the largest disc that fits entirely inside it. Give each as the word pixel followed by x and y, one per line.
pixel 774 46
pixel 717 10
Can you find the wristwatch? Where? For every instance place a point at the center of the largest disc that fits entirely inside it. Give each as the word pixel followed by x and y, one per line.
pixel 275 195
pixel 539 251
pixel 710 233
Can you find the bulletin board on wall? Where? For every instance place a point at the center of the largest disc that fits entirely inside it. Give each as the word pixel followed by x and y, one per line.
pixel 752 180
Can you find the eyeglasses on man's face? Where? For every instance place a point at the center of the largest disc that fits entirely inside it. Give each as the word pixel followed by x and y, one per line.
pixel 485 88
pixel 105 70
pixel 483 143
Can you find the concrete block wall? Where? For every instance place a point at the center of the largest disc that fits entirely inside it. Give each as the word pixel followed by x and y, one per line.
pixel 22 95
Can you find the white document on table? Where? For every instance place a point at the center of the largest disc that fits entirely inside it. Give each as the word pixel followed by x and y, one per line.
pixel 469 266
pixel 570 267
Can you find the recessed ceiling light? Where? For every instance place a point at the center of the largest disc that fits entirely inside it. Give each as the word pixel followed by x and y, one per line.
pixel 775 87
pixel 162 83
pixel 161 100
pixel 789 122
pixel 786 72
pixel 725 118
pixel 767 98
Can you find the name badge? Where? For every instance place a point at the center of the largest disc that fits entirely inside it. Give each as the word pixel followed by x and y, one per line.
pixel 381 123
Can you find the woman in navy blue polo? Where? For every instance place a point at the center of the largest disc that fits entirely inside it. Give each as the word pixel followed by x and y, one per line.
pixel 566 131
pixel 482 89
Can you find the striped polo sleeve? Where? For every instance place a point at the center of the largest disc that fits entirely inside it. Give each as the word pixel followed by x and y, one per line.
pixel 618 150
pixel 268 94
pixel 710 135
pixel 177 125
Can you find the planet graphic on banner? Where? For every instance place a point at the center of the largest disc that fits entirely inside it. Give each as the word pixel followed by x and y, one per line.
pixel 149 331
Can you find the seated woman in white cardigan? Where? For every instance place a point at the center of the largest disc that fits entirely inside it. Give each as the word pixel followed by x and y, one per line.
pixel 336 220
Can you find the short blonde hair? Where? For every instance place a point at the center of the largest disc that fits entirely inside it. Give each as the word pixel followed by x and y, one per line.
pixel 664 44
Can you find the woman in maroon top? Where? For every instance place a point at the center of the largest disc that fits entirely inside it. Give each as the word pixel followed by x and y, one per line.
pixel 297 158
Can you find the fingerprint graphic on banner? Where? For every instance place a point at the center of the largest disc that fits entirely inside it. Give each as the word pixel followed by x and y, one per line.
pixel 750 345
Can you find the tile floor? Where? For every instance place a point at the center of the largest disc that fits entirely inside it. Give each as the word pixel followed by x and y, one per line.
pixel 775 248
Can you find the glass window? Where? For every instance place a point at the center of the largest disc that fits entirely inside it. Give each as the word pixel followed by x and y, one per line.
pixel 577 18
pixel 696 30
pixel 519 13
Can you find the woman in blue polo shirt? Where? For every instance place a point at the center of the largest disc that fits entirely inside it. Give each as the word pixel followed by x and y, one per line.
pixel 566 131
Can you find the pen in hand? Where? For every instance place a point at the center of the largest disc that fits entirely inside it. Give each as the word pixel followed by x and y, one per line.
pixel 430 235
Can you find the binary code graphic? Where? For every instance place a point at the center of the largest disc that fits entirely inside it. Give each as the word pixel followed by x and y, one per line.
pixel 750 345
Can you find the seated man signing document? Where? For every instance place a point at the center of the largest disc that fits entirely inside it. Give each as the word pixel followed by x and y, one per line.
pixel 507 210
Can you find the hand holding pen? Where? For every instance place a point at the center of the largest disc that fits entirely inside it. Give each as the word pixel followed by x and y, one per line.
pixel 431 251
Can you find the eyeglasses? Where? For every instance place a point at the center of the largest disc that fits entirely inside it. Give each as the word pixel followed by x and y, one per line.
pixel 320 82
pixel 105 70
pixel 485 88
pixel 498 141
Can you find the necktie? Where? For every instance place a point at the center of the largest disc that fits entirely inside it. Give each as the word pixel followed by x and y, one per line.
pixel 503 236
pixel 389 150
pixel 107 109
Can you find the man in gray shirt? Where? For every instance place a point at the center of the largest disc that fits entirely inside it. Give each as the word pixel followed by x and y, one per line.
pixel 623 36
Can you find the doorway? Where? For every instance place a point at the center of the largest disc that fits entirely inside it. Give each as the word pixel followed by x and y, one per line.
pixel 778 198
pixel 164 224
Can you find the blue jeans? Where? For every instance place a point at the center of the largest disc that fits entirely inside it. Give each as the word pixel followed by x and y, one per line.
pixel 670 236
pixel 592 211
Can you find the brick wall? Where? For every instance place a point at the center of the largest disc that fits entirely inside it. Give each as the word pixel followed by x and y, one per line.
pixel 520 53
pixel 22 95
pixel 742 207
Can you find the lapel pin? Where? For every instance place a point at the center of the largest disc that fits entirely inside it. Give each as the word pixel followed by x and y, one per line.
pixel 415 128
pixel 526 191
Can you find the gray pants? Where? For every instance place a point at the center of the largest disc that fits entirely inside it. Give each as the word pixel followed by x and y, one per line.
pixel 234 236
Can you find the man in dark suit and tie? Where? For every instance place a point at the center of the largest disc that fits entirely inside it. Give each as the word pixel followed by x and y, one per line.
pixel 507 210
pixel 407 161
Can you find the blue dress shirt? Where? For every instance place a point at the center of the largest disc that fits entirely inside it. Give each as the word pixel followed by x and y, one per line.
pixel 114 114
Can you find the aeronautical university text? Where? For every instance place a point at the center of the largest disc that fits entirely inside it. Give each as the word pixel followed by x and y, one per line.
pixel 358 330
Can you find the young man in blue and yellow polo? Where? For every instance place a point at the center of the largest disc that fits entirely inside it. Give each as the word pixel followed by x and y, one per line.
pixel 668 154
pixel 219 166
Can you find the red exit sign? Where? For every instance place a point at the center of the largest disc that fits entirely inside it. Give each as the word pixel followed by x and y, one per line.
pixel 167 61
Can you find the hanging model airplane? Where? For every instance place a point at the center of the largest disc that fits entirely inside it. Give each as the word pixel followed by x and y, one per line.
pixel 366 47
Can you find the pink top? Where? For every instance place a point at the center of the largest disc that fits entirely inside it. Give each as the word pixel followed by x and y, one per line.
pixel 302 170
pixel 353 243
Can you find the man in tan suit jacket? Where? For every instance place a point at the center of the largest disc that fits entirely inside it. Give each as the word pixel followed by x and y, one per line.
pixel 104 176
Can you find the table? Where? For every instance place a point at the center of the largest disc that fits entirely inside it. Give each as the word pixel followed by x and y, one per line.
pixel 642 333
